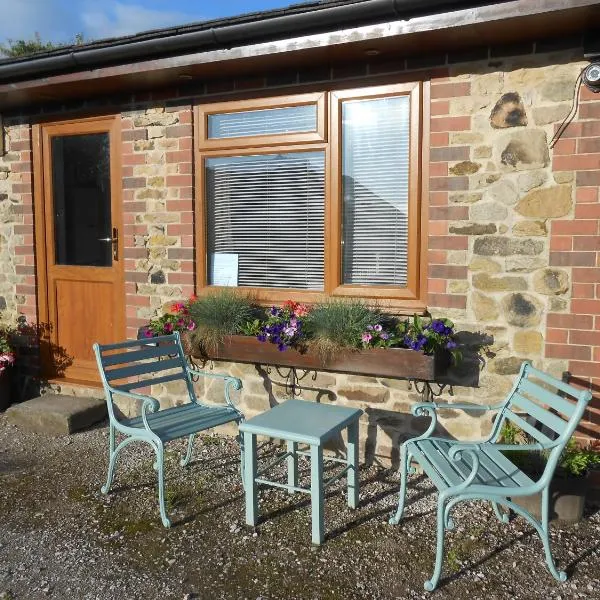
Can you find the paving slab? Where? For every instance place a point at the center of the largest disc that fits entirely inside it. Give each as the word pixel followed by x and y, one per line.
pixel 57 414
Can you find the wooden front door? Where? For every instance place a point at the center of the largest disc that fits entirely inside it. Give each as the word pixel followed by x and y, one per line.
pixel 79 244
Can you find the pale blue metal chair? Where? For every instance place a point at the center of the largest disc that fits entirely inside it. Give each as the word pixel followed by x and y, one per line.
pixel 134 364
pixel 480 470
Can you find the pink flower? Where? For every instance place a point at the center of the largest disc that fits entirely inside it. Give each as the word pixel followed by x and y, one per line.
pixel 168 327
pixel 148 333
pixel 366 337
pixel 378 328
pixel 191 326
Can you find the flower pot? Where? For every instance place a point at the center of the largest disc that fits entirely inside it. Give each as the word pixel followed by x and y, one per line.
pixel 567 499
pixel 5 397
pixel 379 362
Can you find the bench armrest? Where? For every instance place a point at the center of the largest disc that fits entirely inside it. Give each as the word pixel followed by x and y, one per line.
pixel 230 383
pixel 149 405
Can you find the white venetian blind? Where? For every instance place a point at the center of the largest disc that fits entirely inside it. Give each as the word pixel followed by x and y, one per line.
pixel 375 170
pixel 268 121
pixel 269 210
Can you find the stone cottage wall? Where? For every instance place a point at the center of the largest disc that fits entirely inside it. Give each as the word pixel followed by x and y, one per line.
pixel 513 230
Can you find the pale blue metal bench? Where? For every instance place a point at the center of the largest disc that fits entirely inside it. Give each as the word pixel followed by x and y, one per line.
pixel 480 470
pixel 134 364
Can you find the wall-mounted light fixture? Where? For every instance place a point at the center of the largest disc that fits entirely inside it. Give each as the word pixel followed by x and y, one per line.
pixel 591 76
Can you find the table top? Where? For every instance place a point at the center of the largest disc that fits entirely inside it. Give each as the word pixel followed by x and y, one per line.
pixel 302 421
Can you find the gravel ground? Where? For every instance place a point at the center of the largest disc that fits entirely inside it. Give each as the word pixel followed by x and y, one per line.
pixel 60 538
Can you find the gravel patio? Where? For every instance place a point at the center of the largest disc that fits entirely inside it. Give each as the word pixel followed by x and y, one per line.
pixel 60 538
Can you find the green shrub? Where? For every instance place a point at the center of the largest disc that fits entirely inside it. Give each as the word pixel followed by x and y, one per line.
pixel 220 313
pixel 337 326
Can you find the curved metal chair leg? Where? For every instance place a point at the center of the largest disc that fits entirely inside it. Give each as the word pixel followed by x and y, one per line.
pixel 544 534
pixel 431 584
pixel 112 457
pixel 184 462
pixel 161 485
pixel 403 476
pixel 113 460
pixel 503 517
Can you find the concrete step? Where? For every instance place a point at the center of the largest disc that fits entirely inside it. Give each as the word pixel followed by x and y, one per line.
pixel 57 414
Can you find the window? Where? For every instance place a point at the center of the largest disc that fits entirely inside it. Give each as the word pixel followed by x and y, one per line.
pixel 294 204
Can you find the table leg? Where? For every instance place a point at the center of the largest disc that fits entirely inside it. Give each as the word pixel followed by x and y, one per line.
pixel 292 465
pixel 250 478
pixel 352 457
pixel 316 493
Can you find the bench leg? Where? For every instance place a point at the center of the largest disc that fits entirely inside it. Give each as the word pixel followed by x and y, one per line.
pixel 403 476
pixel 316 493
pixel 250 478
pixel 292 465
pixel 160 467
pixel 560 575
pixel 112 457
pixel 184 462
pixel 431 584
pixel 352 457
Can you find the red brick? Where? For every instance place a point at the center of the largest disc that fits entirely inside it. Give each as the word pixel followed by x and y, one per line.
pixel 448 213
pixel 180 253
pixel 586 307
pixel 133 159
pixel 569 352
pixel 18 145
pixel 583 290
pixel 572 321
pixel 586 94
pixel 447 301
pixel 134 182
pixel 439 139
pixel 438 198
pixel 178 156
pixel 449 184
pixel 185 116
pixel 450 124
pixel 137 300
pixel 451 153
pixel 590 129
pixel 589 111
pixel 586 194
pixel 572 259
pixel 437 257
pixel 584 338
pixel 584 242
pixel 455 242
pixel 441 107
pixel 573 130
pixel 565 146
pixel 585 145
pixel 438 228
pixel 438 169
pixel 178 131
pixel 135 252
pixel 579 227
pixel 450 90
pixel 561 242
pixel 176 229
pixel 180 278
pixel 576 163
pixel 557 336
pixel 447 272
pixel 186 143
pixel 179 180
pixel 589 275
pixel 134 135
pixel 179 205
pixel 585 369
pixel 588 211
pixel 136 277
pixel 436 286
pixel 21 188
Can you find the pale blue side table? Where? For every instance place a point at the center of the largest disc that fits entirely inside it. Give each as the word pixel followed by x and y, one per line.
pixel 302 422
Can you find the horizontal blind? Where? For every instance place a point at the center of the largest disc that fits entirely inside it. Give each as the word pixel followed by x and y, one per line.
pixel 268 121
pixel 375 171
pixel 269 210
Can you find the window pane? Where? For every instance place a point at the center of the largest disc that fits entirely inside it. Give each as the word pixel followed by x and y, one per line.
pixel 375 170
pixel 291 119
pixel 81 190
pixel 268 211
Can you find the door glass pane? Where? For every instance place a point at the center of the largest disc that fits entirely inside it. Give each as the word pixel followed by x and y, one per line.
pixel 265 220
pixel 267 121
pixel 81 193
pixel 375 171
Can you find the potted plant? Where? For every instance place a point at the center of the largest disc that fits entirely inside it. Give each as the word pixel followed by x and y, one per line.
pixel 7 359
pixel 570 482
pixel 177 319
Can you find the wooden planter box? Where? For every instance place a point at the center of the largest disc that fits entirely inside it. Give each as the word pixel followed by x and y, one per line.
pixel 381 362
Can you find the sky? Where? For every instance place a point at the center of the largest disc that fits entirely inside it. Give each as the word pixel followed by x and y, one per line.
pixel 61 20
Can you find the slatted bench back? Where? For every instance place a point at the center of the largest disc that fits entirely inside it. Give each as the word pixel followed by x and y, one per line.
pixel 128 366
pixel 551 402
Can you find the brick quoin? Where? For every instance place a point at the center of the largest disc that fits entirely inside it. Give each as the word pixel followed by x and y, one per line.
pixel 575 246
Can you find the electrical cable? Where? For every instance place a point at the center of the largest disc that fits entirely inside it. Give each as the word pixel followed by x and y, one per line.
pixel 571 114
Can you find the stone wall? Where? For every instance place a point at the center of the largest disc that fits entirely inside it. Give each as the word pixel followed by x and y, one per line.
pixel 513 229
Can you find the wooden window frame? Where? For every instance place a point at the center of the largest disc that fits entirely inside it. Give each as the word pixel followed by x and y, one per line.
pixel 275 139
pixel 409 299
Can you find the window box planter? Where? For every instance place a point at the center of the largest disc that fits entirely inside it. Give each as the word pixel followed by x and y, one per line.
pixel 381 362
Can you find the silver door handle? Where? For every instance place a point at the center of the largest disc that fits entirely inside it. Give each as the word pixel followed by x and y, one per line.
pixel 105 239
pixel 115 242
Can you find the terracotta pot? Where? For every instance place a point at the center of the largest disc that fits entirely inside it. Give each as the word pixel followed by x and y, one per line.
pixel 5 398
pixel 379 362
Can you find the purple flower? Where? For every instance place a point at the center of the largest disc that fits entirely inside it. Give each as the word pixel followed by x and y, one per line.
pixel 385 336
pixel 378 327
pixel 451 345
pixel 281 347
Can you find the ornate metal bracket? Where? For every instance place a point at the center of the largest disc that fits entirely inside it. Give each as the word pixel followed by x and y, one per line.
pixel 292 380
pixel 427 391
